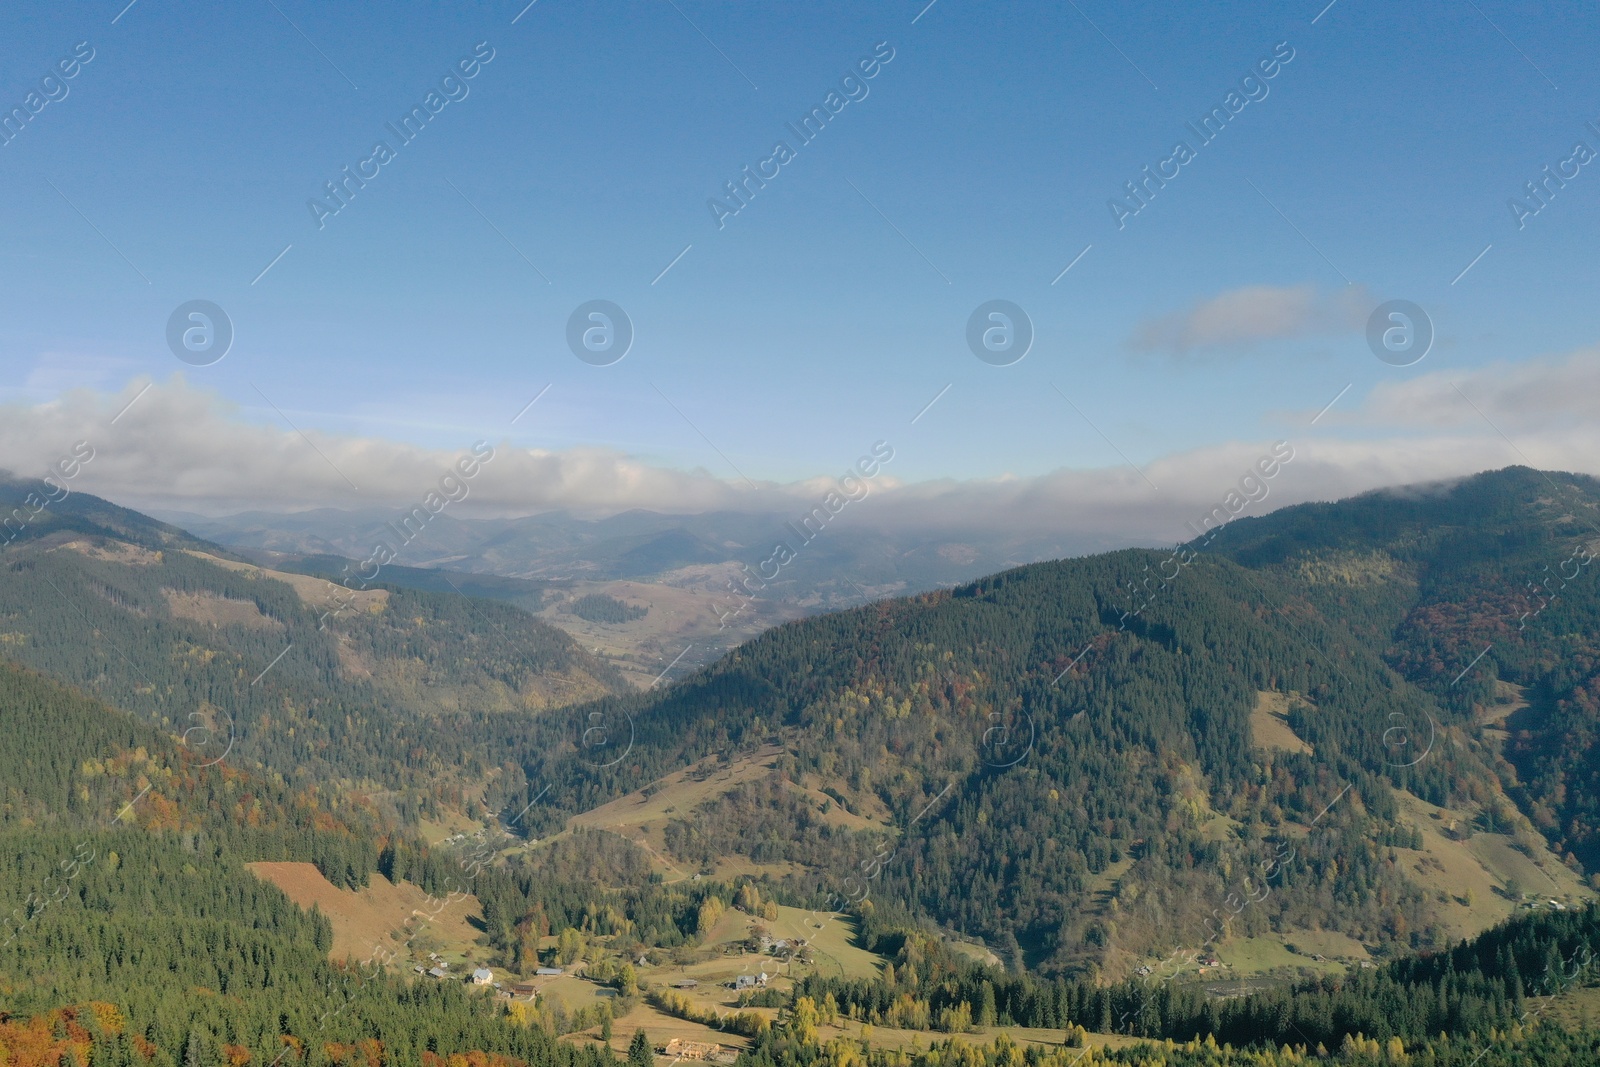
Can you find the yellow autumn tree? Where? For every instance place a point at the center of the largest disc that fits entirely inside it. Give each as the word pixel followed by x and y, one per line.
pixel 710 912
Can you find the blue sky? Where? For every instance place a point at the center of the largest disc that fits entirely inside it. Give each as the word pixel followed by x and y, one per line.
pixel 832 308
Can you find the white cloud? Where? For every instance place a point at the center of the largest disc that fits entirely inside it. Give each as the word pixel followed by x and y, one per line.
pixel 1114 506
pixel 1527 395
pixel 1242 318
pixel 183 448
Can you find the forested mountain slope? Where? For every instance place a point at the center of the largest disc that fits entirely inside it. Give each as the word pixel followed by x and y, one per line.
pixel 1066 753
pixel 1498 565
pixel 365 687
pixel 135 935
pixel 144 941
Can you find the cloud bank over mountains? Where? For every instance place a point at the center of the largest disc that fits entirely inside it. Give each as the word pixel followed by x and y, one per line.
pixel 177 447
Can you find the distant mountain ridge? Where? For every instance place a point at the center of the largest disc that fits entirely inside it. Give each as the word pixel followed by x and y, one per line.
pixel 640 544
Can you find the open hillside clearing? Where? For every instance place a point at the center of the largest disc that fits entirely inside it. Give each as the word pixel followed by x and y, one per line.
pixel 383 917
pixel 1468 876
pixel 1269 724
pixel 643 815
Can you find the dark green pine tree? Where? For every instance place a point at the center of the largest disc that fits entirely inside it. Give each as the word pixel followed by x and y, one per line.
pixel 1550 980
pixel 986 1007
pixel 640 1054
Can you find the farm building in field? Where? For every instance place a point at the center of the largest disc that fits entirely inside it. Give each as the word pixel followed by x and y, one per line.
pixel 548 972
pixel 482 976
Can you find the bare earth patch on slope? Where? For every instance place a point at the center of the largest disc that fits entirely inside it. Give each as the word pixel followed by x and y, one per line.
pixel 316 593
pixel 209 609
pixel 115 552
pixel 368 920
pixel 1269 724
